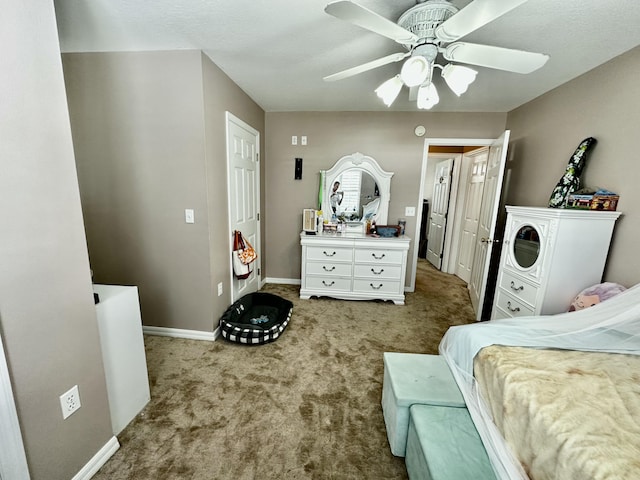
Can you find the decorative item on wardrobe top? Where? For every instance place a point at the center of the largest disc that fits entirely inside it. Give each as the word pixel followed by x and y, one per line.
pixel 356 189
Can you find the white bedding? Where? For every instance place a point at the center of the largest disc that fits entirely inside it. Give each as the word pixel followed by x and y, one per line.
pixel 611 326
pixel 566 414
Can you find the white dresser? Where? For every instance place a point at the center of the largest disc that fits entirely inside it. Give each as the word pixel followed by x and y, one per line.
pixel 548 257
pixel 353 267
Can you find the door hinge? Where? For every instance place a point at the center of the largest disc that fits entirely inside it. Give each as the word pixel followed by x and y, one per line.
pixel 258 216
pixel 257 157
pixel 258 271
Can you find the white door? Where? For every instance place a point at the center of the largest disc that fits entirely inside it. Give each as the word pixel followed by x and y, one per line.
pixel 243 171
pixel 487 222
pixel 439 210
pixel 471 214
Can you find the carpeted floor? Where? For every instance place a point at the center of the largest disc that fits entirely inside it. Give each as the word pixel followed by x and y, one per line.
pixel 304 407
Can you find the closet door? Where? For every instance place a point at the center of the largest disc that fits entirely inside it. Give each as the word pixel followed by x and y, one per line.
pixel 439 211
pixel 471 215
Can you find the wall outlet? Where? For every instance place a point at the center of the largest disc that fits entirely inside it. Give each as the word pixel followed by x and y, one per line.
pixel 294 140
pixel 220 289
pixel 70 402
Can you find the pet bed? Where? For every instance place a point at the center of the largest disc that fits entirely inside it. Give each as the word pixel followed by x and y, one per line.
pixel 256 318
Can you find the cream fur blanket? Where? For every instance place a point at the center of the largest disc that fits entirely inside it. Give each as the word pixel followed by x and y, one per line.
pixel 565 414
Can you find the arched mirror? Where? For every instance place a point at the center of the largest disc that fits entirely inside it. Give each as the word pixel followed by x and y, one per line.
pixel 356 188
pixel 526 246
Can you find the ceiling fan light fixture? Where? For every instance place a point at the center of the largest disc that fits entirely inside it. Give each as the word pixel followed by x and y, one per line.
pixel 458 78
pixel 389 90
pixel 427 96
pixel 415 71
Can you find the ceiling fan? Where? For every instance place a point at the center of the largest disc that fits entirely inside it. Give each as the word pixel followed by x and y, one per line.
pixel 432 28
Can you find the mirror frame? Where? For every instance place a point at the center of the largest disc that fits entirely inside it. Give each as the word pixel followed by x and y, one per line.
pixel 366 164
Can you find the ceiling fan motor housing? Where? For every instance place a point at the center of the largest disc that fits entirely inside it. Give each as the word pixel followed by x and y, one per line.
pixel 423 19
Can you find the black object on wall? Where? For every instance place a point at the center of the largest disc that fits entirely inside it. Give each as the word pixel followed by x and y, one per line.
pixel 298 169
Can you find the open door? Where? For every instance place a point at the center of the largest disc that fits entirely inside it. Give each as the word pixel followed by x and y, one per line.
pixel 439 212
pixel 244 196
pixel 485 239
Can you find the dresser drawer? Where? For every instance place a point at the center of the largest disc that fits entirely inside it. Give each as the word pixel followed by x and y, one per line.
pixel 371 255
pixel 328 284
pixel 329 268
pixel 334 254
pixel 374 272
pixel 523 291
pixel 513 307
pixel 376 287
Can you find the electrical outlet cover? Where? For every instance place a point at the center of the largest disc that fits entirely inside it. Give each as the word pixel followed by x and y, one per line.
pixel 70 402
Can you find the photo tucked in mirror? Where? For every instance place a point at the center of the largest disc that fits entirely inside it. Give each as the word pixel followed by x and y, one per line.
pixel 526 246
pixel 354 195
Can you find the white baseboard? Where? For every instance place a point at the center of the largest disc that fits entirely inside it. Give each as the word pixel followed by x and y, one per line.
pixel 98 460
pixel 180 333
pixel 284 281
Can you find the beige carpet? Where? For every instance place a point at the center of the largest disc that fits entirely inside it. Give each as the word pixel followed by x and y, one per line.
pixel 304 407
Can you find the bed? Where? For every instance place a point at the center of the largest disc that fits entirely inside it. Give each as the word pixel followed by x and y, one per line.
pixel 555 397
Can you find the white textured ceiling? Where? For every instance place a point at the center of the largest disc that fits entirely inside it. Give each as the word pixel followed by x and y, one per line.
pixel 277 51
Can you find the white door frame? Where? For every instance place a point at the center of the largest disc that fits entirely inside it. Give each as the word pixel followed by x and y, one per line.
pixel 443 142
pixel 13 461
pixel 230 117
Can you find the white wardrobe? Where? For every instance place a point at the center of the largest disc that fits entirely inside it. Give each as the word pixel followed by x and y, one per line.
pixel 548 257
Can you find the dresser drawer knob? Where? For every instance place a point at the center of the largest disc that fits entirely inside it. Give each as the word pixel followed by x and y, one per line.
pixel 328 284
pixel 516 289
pixel 517 309
pixel 378 257
pixel 329 254
pixel 377 273
pixel 374 287
pixel 324 267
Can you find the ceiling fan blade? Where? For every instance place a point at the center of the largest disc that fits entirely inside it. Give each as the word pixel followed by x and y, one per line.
pixel 517 61
pixel 394 57
pixel 369 20
pixel 474 16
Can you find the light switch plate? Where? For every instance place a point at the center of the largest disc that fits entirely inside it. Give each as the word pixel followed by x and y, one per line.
pixel 410 211
pixel 303 140
pixel 189 216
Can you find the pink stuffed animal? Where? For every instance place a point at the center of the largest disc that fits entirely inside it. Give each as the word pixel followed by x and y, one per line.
pixel 594 295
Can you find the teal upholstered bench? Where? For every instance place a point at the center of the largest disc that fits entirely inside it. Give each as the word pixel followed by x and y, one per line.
pixel 443 444
pixel 410 379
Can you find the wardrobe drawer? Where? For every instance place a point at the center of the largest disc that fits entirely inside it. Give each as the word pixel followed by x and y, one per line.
pixel 334 254
pixel 328 284
pixel 376 287
pixel 371 255
pixel 523 291
pixel 374 272
pixel 329 268
pixel 513 307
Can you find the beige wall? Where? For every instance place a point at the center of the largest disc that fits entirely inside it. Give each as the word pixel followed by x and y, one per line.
pixel 386 136
pixel 149 134
pixel 137 121
pixel 222 95
pixel 603 104
pixel 47 316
